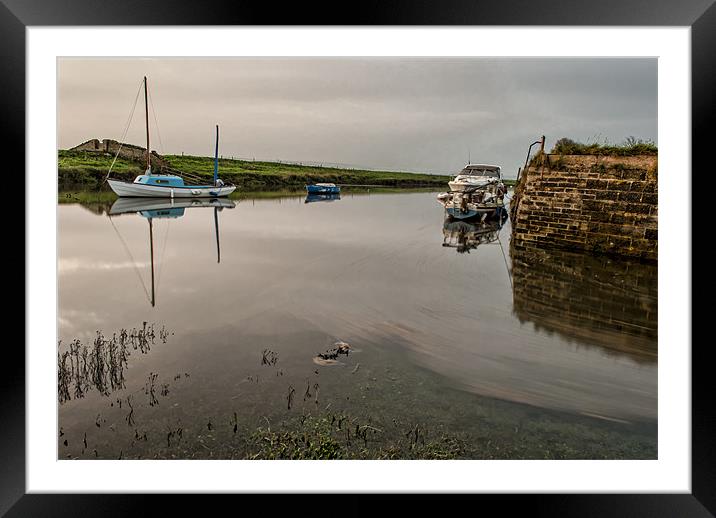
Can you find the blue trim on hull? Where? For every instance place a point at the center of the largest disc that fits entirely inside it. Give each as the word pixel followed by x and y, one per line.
pixel 166 182
pixel 459 214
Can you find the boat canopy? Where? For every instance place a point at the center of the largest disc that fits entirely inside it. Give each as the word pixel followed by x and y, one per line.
pixel 160 179
pixel 481 170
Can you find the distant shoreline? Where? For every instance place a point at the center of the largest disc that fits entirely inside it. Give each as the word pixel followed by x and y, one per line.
pixel 89 169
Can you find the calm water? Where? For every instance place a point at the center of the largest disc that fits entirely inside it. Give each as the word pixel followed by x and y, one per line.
pixel 519 353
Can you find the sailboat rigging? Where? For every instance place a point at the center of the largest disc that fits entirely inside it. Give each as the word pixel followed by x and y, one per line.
pixel 155 185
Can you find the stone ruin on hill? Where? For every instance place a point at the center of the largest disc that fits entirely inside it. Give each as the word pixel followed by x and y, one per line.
pixel 127 151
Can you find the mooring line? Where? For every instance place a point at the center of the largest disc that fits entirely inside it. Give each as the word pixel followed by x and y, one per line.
pixel 504 257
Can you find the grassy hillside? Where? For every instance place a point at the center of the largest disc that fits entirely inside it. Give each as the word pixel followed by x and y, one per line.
pixel 79 168
pixel 76 168
pixel 83 161
pixel 270 172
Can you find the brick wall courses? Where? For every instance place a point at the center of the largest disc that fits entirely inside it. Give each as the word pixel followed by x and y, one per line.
pixel 600 204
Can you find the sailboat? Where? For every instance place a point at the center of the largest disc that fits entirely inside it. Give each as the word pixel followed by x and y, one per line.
pixel 166 185
pixel 152 209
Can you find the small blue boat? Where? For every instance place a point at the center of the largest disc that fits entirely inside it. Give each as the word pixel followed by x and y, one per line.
pixel 323 188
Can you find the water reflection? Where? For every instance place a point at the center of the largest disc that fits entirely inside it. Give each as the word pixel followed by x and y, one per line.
pixel 161 208
pixel 427 321
pixel 164 207
pixel 590 300
pixel 310 198
pixel 464 236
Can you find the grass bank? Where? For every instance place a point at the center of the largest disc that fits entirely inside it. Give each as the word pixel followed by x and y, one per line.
pixel 80 170
pixel 630 147
pixel 88 170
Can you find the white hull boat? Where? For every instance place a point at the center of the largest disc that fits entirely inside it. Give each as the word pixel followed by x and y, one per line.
pixel 142 190
pixel 475 176
pixel 478 191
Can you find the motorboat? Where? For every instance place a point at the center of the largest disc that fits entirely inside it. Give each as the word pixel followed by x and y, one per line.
pixel 476 176
pixel 477 191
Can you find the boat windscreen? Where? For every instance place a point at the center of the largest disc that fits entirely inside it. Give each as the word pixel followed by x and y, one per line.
pixel 481 171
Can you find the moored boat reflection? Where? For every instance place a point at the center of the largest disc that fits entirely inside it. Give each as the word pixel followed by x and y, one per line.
pixel 153 208
pixel 165 208
pixel 464 236
pixel 310 198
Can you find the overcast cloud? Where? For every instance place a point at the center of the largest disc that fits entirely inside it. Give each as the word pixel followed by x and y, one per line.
pixel 411 114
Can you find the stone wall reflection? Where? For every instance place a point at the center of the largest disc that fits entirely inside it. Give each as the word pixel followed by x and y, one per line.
pixel 589 300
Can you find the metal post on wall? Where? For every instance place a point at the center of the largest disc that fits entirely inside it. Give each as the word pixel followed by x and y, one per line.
pixel 524 169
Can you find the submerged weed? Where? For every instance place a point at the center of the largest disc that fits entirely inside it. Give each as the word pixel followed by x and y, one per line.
pixel 100 366
pixel 344 437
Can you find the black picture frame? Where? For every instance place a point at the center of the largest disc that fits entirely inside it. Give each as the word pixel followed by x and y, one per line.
pixel 699 15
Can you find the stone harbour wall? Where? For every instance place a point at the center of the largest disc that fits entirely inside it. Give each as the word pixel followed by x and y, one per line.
pixel 595 203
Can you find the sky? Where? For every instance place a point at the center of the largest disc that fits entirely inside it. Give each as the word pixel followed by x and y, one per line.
pixel 408 114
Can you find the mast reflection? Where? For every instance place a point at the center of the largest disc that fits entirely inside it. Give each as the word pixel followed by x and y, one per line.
pixel 152 208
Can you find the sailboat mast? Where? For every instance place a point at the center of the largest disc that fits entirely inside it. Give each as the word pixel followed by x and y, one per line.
pixel 216 157
pixel 146 121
